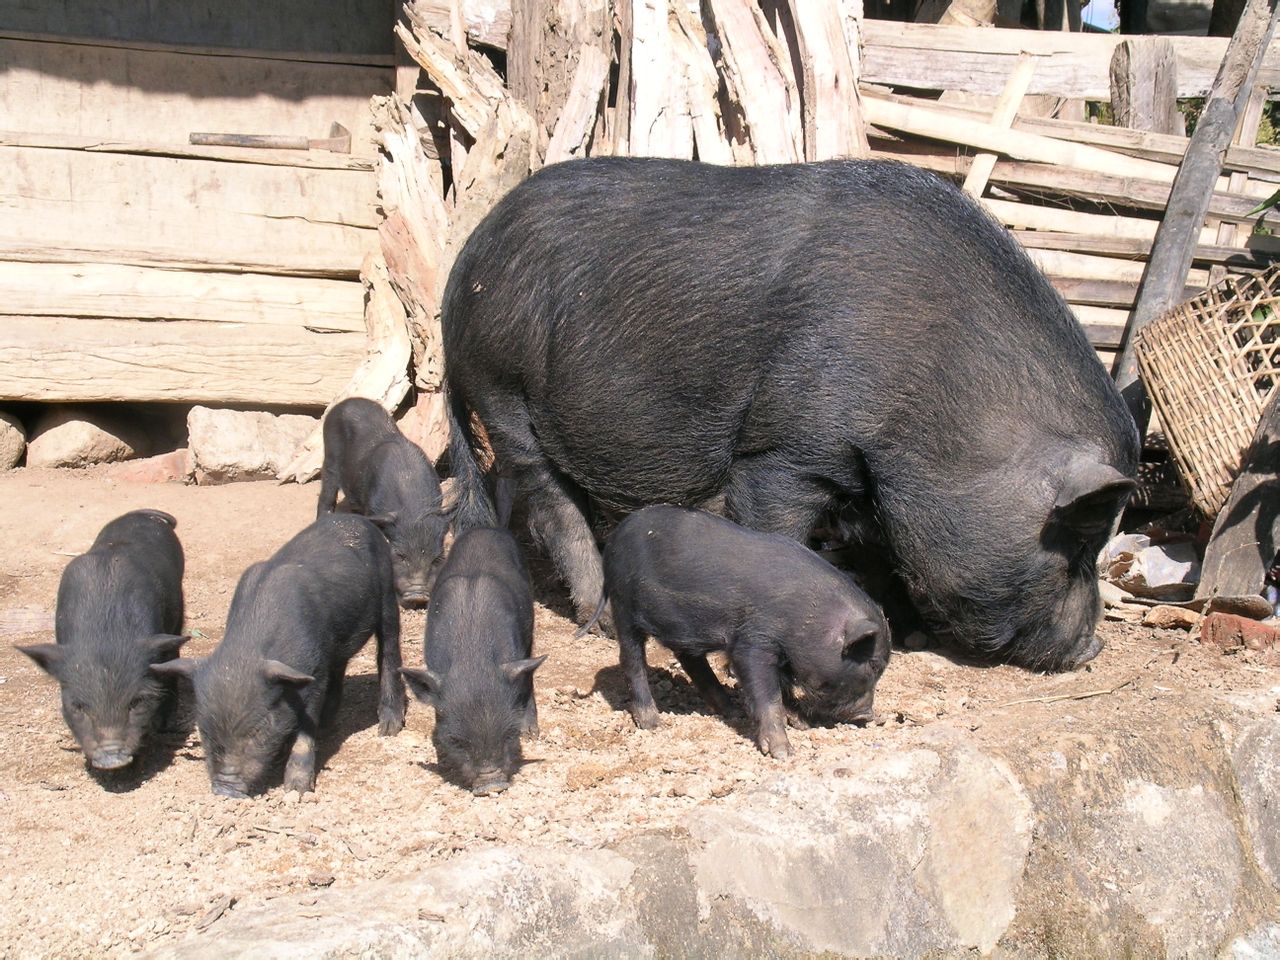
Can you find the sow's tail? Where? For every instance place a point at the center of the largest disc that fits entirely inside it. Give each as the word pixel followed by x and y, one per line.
pixel 595 617
pixel 471 507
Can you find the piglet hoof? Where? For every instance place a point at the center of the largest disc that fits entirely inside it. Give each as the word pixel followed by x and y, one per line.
pixel 298 783
pixel 646 718
pixel 390 726
pixel 531 732
pixel 775 745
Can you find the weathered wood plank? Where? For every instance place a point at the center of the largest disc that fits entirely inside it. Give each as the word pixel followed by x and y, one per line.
pixel 313 159
pixel 231 50
pixel 977 60
pixel 65 359
pixel 161 96
pixel 148 293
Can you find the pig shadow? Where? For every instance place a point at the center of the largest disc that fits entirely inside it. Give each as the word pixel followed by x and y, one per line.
pixel 359 712
pixel 680 698
pixel 168 738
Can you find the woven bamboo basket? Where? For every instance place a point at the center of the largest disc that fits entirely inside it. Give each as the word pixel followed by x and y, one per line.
pixel 1210 365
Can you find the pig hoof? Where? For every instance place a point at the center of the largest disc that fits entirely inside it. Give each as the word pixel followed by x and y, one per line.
pixel 646 718
pixel 777 747
pixel 531 732
pixel 797 722
pixel 299 784
pixel 390 726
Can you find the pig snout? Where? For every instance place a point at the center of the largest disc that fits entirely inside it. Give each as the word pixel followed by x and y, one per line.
pixel 110 756
pixel 489 780
pixel 1085 649
pixel 230 787
pixel 861 710
pixel 413 599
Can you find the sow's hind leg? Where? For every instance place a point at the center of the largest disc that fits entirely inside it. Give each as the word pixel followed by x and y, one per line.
pixel 766 492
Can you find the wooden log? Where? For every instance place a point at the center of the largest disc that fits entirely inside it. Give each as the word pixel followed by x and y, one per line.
pixel 831 106
pixel 161 95
pixel 1246 533
pixel 581 109
pixel 1144 86
pixel 313 159
pixel 488 22
pixel 660 124
pixel 757 74
pixel 148 293
pixel 383 375
pixel 701 86
pixel 89 359
pixel 1005 110
pixel 1192 193
pixel 1073 65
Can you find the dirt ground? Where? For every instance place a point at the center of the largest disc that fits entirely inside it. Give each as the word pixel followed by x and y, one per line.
pixel 114 865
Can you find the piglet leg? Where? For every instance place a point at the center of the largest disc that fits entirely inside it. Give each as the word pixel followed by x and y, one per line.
pixel 705 680
pixel 757 671
pixel 631 649
pixel 300 770
pixel 391 698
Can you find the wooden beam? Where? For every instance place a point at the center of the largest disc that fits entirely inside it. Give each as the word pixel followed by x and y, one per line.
pixel 977 60
pixel 1006 109
pixel 1144 86
pixel 1192 193
pixel 1246 533
pixel 89 359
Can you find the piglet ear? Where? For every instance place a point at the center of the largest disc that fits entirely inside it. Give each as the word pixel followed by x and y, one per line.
pixel 860 641
pixel 163 645
pixel 1091 496
pixel 425 685
pixel 276 672
pixel 48 656
pixel 383 521
pixel 182 667
pixel 515 669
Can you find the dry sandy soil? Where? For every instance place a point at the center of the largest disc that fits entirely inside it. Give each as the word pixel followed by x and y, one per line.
pixel 113 866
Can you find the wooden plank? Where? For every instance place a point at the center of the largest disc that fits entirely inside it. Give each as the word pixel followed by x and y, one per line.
pixel 578 118
pixel 88 359
pixel 1103 293
pixel 1265 252
pixel 757 74
pixel 1061 263
pixel 148 293
pixel 488 22
pixel 312 159
pixel 158 96
pixel 1144 86
pixel 1246 533
pixel 975 184
pixel 1073 65
pixel 832 112
pixel 1103 325
pixel 1191 197
pixel 229 50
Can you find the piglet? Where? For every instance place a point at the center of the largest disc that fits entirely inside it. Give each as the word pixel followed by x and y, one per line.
pixel 799 633
pixel 479 664
pixel 388 479
pixel 275 680
pixel 119 611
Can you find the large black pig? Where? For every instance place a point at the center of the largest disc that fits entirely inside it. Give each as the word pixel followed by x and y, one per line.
pixel 783 344
pixel 275 681
pixel 479 663
pixel 119 611
pixel 798 632
pixel 387 478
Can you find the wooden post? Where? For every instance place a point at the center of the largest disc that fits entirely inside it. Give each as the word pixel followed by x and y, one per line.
pixel 1175 241
pixel 1247 531
pixel 1144 86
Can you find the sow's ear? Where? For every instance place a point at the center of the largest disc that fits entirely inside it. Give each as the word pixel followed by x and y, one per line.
pixel 383 521
pixel 182 667
pixel 424 684
pixel 163 645
pixel 1090 496
pixel 48 656
pixel 276 672
pixel 860 641
pixel 515 669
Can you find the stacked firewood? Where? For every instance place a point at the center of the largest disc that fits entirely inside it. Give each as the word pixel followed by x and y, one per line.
pixel 491 91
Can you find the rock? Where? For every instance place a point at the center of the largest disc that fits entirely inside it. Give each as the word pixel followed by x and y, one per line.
pixel 1255 757
pixel 162 468
pixel 1165 617
pixel 1231 632
pixel 426 424
pixel 231 445
pixel 13 441
pixel 70 436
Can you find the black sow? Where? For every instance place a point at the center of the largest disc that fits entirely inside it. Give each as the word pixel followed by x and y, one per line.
pixel 803 640
pixel 388 479
pixel 275 680
pixel 119 611
pixel 479 664
pixel 781 344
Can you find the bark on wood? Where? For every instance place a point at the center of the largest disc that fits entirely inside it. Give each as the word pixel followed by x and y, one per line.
pixel 1246 533
pixel 1006 110
pixel 1144 86
pixel 147 293
pixel 1073 65
pixel 1190 199
pixel 65 359
pixel 581 109
pixel 383 375
pixel 832 109
pixel 757 74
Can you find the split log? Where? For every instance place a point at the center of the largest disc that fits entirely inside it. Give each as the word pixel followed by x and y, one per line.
pixel 487 22
pixel 58 359
pixel 581 109
pixel 757 74
pixel 1144 86
pixel 1192 193
pixel 660 124
pixel 832 111
pixel 701 86
pixel 458 77
pixel 1005 111
pixel 1246 533
pixel 383 375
